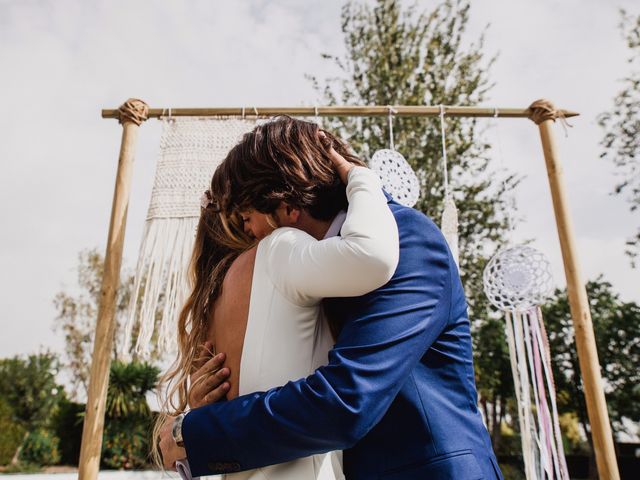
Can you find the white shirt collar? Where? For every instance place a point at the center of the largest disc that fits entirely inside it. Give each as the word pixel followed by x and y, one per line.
pixel 336 225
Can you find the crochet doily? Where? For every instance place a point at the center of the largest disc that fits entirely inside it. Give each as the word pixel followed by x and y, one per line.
pixel 517 278
pixel 398 178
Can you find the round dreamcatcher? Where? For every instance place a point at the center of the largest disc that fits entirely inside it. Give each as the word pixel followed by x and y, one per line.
pixel 398 178
pixel 517 278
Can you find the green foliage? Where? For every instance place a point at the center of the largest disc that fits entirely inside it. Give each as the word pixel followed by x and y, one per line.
pixel 40 448
pixel 130 421
pixel 66 423
pixel 403 55
pixel 572 439
pixel 494 378
pixel 621 125
pixel 617 330
pixel 12 433
pixel 29 386
pixel 126 443
pixel 77 314
pixel 128 385
pixel 512 472
pixel 511 443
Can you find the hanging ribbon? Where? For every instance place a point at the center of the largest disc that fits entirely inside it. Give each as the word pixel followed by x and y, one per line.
pixel 517 280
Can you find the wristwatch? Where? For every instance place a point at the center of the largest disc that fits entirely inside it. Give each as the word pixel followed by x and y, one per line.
pixel 176 430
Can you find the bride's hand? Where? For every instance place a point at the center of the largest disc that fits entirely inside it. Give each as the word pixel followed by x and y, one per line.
pixel 342 166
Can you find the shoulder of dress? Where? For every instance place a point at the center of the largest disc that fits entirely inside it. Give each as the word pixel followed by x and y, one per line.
pixel 286 235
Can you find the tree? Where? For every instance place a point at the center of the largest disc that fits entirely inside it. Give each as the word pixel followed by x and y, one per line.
pixel 493 376
pixel 128 429
pixel 29 387
pixel 397 55
pixel 617 330
pixel 128 386
pixel 77 314
pixel 12 433
pixel 621 124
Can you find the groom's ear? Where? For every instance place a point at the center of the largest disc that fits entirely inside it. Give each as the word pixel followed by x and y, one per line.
pixel 288 214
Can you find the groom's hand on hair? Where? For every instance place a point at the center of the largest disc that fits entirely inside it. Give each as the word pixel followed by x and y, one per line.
pixel 208 382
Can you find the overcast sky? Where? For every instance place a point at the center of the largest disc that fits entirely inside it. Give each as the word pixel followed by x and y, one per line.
pixel 62 61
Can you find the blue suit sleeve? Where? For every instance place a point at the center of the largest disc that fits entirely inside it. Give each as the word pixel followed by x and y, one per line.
pixel 333 408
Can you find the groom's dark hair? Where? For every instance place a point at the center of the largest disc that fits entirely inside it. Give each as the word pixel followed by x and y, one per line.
pixel 283 160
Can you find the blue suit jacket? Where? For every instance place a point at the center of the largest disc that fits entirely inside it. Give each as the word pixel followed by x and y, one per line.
pixel 398 395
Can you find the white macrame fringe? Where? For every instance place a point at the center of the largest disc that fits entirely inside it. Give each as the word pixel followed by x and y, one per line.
pixel 161 277
pixel 449 226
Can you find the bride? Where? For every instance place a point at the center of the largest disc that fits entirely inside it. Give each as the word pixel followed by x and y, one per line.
pixel 259 272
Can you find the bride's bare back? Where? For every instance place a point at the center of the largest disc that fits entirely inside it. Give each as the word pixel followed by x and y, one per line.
pixel 228 323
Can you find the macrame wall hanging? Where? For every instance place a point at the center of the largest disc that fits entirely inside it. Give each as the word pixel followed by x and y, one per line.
pixel 190 150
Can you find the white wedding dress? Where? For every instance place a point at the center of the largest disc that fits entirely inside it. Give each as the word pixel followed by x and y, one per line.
pixel 286 337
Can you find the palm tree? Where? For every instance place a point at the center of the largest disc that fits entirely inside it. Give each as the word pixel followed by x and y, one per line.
pixel 129 384
pixel 129 418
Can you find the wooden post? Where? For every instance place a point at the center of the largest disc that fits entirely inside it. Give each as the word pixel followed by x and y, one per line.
pixel 544 114
pixel 132 114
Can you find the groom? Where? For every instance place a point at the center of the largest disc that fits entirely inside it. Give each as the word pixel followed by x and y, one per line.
pixel 398 394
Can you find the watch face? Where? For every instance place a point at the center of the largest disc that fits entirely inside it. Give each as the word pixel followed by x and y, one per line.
pixel 176 431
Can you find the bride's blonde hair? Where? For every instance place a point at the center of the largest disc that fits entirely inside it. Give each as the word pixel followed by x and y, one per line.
pixel 220 238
